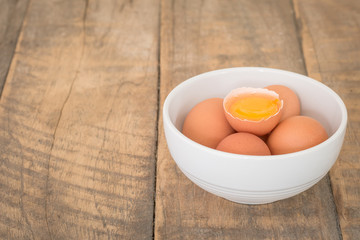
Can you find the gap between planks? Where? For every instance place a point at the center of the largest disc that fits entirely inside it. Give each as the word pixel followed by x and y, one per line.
pixel 158 113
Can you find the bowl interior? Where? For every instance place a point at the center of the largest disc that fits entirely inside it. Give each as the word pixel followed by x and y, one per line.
pixel 317 100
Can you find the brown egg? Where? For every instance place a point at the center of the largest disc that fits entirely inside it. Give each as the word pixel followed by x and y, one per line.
pixel 206 123
pixel 291 101
pixel 295 134
pixel 253 110
pixel 244 143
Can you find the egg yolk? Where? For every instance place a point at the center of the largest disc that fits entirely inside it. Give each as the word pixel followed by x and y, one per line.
pixel 254 108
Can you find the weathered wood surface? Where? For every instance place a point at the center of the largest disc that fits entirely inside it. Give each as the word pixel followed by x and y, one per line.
pixel 82 150
pixel 331 40
pixel 78 118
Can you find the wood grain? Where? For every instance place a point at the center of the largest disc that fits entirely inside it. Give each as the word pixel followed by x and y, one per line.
pixel 198 36
pixel 11 18
pixel 81 139
pixel 78 119
pixel 332 32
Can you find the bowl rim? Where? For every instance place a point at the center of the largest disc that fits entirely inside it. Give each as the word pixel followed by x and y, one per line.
pixel 226 155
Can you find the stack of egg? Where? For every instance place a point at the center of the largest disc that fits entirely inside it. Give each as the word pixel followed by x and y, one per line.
pixel 254 121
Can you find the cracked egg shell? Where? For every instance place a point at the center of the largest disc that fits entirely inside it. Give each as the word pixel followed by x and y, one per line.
pixel 253 110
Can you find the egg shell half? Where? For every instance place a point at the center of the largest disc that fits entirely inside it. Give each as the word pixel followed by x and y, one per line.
pixel 260 127
pixel 206 123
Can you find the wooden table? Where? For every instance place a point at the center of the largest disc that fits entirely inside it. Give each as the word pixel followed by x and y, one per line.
pixel 83 153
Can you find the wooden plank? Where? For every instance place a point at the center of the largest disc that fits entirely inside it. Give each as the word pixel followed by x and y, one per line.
pixel 199 36
pixel 78 122
pixel 331 37
pixel 11 18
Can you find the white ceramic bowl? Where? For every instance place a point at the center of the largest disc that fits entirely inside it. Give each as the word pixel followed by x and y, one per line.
pixel 254 179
